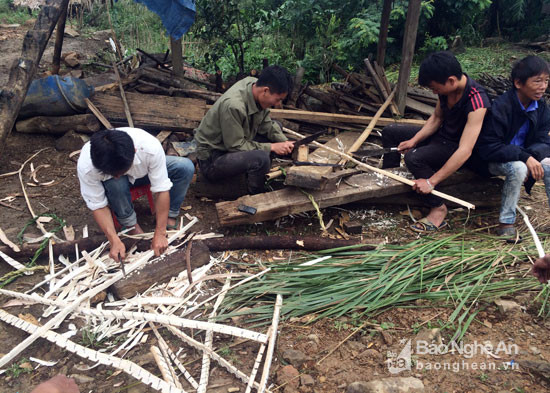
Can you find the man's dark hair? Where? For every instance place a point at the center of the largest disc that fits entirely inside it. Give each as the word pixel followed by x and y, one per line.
pixel 528 67
pixel 112 151
pixel 277 78
pixel 438 67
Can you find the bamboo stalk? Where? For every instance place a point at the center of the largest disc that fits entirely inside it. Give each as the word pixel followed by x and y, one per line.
pixel 383 172
pixel 357 144
pixel 127 366
pixel 164 368
pixel 271 345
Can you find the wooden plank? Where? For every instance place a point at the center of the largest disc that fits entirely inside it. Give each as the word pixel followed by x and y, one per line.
pixel 153 112
pixel 315 177
pixel 315 117
pixel 409 40
pixel 272 205
pixel 419 107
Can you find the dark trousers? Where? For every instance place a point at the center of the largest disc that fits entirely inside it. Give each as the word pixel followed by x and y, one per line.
pixel 254 163
pixel 424 160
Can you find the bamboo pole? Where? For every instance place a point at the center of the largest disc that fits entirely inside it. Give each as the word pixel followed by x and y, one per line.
pixel 383 172
pixel 98 114
pixel 363 137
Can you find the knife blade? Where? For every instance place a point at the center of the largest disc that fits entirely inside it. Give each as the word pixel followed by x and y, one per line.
pixel 374 152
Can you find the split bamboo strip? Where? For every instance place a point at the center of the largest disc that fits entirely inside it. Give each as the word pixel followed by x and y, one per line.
pixel 170 320
pixel 164 368
pixel 166 357
pixel 127 366
pixel 256 366
pixel 271 345
pixel 232 287
pixel 179 364
pixel 106 123
pixel 123 96
pixel 86 295
pixel 224 363
pixel 383 172
pixel 4 239
pixel 536 239
pixel 205 369
pixel 363 137
pixel 12 262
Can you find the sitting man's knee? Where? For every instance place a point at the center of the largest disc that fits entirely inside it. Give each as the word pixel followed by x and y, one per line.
pixel 517 170
pixel 260 159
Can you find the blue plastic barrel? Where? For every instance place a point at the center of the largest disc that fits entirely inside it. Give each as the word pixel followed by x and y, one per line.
pixel 56 96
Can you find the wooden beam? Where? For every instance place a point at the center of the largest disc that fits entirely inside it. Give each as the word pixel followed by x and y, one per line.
pixel 314 117
pixel 23 69
pixel 154 112
pixel 106 123
pixel 381 87
pixel 316 177
pixel 419 107
pixel 59 34
pixel 272 205
pixel 383 34
pixel 407 53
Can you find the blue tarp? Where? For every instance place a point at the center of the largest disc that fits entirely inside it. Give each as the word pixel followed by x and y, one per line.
pixel 176 15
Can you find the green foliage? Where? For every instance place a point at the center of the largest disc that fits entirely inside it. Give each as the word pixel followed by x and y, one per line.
pixel 433 44
pixel 9 14
pixel 90 339
pixel 15 370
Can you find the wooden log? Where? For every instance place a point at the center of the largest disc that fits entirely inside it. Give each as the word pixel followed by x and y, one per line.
pixel 86 123
pixel 153 112
pixel 315 117
pixel 409 40
pixel 159 271
pixel 322 96
pixel 293 96
pixel 315 177
pixel 164 77
pixel 60 32
pixel 23 69
pixel 272 205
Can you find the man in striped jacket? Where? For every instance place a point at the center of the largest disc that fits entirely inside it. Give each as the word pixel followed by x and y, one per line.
pixel 445 142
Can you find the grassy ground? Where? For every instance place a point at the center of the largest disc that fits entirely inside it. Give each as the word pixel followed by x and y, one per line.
pixel 9 15
pixel 494 59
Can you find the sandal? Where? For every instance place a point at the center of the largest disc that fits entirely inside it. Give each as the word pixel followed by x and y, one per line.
pixel 174 227
pixel 509 234
pixel 426 226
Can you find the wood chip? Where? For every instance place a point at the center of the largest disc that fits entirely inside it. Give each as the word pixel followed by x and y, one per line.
pixel 8 242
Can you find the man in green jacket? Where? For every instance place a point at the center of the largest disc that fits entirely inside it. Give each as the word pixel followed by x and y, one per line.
pixel 237 135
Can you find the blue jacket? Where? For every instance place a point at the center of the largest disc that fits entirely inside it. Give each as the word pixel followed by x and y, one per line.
pixel 502 123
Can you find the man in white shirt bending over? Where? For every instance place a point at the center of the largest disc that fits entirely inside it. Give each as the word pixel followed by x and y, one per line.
pixel 117 158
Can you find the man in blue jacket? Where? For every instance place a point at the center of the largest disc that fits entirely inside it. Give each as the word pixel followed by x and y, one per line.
pixel 514 139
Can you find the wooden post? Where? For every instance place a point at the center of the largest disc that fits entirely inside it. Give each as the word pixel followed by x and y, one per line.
pixel 383 35
pixel 23 69
pixel 56 60
pixel 409 39
pixel 177 60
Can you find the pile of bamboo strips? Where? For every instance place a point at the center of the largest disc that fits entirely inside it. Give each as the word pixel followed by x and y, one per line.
pixel 178 305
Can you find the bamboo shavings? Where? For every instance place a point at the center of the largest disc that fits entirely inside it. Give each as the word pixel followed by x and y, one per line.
pixel 125 365
pixel 13 263
pixel 8 242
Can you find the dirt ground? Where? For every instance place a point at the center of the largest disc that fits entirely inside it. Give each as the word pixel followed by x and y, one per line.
pixel 362 357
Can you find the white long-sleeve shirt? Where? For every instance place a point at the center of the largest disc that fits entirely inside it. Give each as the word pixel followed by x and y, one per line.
pixel 149 160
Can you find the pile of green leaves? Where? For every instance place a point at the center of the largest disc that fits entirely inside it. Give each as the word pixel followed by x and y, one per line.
pixel 457 271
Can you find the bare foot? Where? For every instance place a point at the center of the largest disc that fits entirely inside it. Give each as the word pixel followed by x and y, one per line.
pixel 136 231
pixel 437 215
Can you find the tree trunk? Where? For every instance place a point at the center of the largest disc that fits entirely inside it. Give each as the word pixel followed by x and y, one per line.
pixel 24 68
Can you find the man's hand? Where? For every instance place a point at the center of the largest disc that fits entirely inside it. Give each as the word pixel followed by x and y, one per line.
pixel 118 250
pixel 159 243
pixel 405 146
pixel 422 186
pixel 535 168
pixel 282 148
pixel 57 384
pixel 541 269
